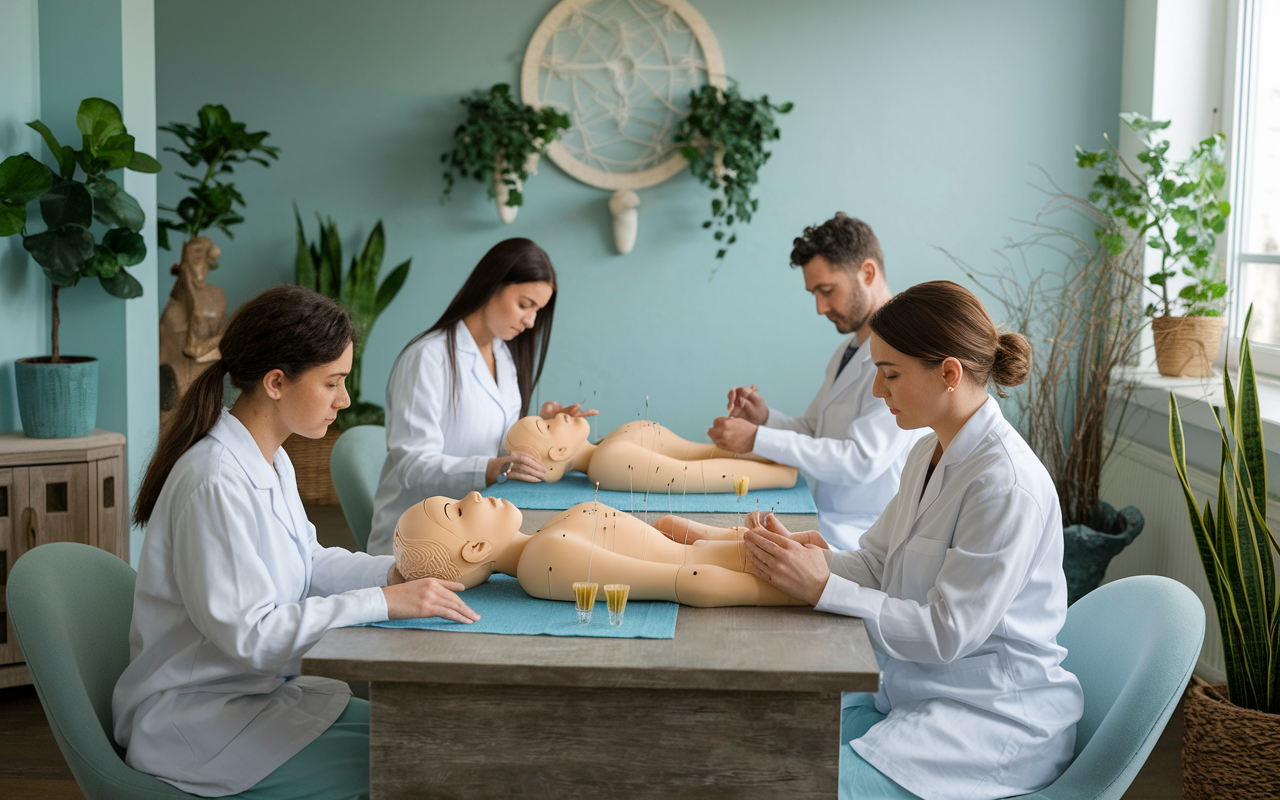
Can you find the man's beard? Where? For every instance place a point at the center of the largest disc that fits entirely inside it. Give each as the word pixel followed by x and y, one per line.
pixel 855 315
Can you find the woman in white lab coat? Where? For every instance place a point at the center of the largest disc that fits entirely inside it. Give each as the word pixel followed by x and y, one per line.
pixel 457 388
pixel 232 587
pixel 959 582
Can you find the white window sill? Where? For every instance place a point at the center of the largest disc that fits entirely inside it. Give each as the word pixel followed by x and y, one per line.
pixel 1196 395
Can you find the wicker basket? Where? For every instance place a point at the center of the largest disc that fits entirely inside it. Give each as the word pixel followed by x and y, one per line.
pixel 310 459
pixel 1187 346
pixel 1228 752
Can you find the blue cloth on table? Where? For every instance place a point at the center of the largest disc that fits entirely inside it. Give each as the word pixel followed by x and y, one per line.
pixel 575 488
pixel 505 608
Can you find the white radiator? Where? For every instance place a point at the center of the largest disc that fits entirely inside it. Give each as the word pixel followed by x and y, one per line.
pixel 1139 476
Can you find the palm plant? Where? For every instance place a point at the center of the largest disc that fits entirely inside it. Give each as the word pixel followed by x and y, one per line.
pixel 319 267
pixel 1236 546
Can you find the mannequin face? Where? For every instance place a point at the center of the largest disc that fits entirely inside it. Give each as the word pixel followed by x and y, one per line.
pixel 309 404
pixel 553 441
pixel 916 394
pixel 842 295
pixel 515 307
pixel 455 539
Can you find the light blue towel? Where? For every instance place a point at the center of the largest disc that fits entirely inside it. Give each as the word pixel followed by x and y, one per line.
pixel 505 608
pixel 575 488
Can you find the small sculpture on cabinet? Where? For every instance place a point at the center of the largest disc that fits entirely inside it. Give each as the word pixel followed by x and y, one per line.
pixel 191 324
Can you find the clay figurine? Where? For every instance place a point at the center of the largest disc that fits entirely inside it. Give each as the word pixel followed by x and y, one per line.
pixel 191 324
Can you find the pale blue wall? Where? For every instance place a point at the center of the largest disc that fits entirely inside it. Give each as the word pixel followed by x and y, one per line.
pixel 921 117
pixel 24 292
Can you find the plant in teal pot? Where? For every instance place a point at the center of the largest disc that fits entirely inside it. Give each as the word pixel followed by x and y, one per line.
pixel 58 394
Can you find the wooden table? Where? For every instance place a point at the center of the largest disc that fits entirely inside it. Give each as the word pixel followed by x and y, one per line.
pixel 742 703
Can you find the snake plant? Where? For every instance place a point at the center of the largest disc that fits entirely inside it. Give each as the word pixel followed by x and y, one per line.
pixel 1236 546
pixel 319 267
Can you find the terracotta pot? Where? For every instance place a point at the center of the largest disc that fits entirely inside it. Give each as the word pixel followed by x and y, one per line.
pixel 1228 752
pixel 310 459
pixel 1187 346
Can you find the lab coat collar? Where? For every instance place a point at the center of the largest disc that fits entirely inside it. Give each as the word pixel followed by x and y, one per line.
pixel 234 436
pixel 982 422
pixel 851 372
pixel 467 344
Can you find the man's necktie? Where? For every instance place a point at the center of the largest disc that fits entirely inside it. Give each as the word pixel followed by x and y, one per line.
pixel 848 356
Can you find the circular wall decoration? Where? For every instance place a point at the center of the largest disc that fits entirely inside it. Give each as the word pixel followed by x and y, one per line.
pixel 622 70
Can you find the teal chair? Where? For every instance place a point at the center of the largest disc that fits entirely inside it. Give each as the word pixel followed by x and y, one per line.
pixel 1133 644
pixel 356 465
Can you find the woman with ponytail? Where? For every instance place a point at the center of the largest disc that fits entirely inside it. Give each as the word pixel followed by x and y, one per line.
pixel 232 586
pixel 959 582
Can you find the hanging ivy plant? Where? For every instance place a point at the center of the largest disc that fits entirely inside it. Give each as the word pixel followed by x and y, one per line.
pixel 500 129
pixel 723 138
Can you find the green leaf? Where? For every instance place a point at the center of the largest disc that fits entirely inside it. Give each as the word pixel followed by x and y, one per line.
pixel 117 151
pixel 304 266
pixel 12 219
pixel 98 121
pixel 114 207
pixel 128 246
pixel 390 287
pixel 67 204
pixel 142 162
pixel 23 179
pixel 65 156
pixel 122 285
pixel 61 251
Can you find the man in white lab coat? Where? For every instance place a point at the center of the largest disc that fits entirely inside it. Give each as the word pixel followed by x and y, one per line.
pixel 847 443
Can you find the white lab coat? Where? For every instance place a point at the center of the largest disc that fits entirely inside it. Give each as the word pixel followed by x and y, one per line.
pixel 232 590
pixel 847 444
pixel 438 444
pixel 963 595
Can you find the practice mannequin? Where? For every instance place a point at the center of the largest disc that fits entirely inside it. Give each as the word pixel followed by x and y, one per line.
pixel 468 540
pixel 640 456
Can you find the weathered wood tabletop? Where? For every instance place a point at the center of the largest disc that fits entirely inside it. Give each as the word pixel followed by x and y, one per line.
pixel 743 702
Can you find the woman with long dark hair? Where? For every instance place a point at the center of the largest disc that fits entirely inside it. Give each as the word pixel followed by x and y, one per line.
pixel 457 387
pixel 959 581
pixel 232 586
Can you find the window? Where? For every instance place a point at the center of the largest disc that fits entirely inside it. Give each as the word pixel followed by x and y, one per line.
pixel 1254 241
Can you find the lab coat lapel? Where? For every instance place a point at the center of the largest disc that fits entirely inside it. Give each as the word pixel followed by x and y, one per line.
pixel 849 376
pixel 264 477
pixel 479 370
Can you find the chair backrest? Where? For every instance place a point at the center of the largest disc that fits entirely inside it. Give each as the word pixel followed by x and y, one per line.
pixel 1133 644
pixel 356 465
pixel 71 605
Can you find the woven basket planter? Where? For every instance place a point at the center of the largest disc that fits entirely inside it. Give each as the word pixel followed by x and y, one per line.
pixel 1187 346
pixel 1228 752
pixel 310 459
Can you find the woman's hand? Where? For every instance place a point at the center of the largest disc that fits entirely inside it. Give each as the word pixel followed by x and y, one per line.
pixel 551 408
pixel 761 519
pixel 799 570
pixel 426 597
pixel 524 467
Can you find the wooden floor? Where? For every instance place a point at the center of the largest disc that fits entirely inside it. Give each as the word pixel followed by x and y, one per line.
pixel 32 767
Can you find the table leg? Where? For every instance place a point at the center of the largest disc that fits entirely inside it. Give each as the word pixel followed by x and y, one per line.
pixel 464 741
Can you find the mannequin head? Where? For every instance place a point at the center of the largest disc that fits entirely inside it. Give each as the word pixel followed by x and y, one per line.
pixel 456 540
pixel 553 441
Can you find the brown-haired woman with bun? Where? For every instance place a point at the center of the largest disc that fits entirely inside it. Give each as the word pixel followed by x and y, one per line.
pixel 959 582
pixel 232 587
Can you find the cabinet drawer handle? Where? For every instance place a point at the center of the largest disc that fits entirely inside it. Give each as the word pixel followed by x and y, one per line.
pixel 33 528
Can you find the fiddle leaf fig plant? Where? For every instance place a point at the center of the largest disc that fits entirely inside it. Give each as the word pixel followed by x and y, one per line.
pixel 319 267
pixel 68 249
pixel 723 138
pixel 500 132
pixel 1176 206
pixel 215 143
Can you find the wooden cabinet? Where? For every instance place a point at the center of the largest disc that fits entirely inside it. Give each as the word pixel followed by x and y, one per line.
pixel 57 490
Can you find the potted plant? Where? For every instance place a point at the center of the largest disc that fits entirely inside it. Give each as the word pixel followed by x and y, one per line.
pixel 1176 207
pixel 1072 407
pixel 499 144
pixel 319 267
pixel 58 394
pixel 723 139
pixel 1231 733
pixel 192 320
